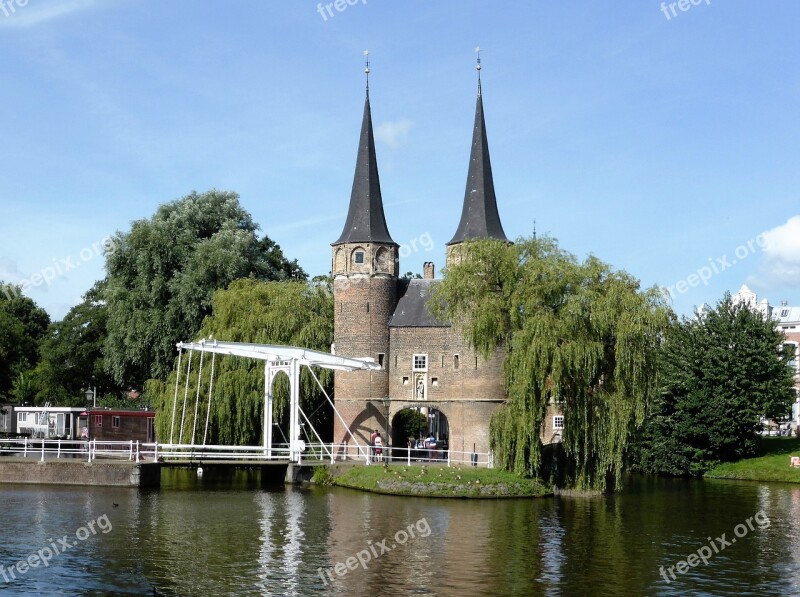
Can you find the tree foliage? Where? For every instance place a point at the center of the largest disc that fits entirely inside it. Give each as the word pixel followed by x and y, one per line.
pixel 22 326
pixel 162 275
pixel 72 354
pixel 579 333
pixel 721 374
pixel 290 313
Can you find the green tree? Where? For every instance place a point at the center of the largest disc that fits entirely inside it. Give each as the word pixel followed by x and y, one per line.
pixel 289 313
pixel 72 354
pixel 580 333
pixel 163 273
pixel 23 324
pixel 721 373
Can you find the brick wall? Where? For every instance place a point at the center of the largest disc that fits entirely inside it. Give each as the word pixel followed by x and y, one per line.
pixel 454 372
pixel 78 472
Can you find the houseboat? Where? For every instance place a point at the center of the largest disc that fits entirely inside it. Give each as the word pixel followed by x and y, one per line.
pixel 122 425
pixel 49 422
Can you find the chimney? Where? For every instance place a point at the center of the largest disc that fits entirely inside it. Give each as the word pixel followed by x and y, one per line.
pixel 428 271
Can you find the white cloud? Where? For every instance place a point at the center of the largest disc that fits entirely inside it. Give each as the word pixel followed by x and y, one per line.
pixel 780 265
pixel 24 13
pixel 394 134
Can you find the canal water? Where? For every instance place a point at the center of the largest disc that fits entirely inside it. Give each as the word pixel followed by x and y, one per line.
pixel 232 536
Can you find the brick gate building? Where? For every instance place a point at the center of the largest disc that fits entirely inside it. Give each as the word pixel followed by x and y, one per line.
pixel 427 364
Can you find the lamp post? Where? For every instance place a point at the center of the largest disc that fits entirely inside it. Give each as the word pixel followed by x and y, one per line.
pixel 91 394
pixel 386 404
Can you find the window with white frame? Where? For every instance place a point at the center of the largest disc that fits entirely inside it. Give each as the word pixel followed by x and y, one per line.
pixel 558 422
pixel 98 420
pixel 420 362
pixel 22 417
pixel 114 422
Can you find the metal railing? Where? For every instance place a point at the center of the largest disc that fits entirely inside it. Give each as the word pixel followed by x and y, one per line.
pixel 73 448
pixel 136 451
pixel 408 456
pixel 190 452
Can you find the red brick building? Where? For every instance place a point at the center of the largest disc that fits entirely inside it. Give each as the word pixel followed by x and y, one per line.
pixel 427 365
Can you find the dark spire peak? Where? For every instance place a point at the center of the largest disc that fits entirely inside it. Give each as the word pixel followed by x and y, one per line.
pixel 479 216
pixel 366 222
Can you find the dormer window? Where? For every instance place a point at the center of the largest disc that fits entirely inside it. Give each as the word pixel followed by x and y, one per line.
pixel 359 257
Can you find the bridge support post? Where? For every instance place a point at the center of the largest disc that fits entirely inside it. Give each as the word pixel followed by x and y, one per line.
pixel 294 414
pixel 269 378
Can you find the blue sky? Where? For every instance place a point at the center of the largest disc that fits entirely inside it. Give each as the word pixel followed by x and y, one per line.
pixel 662 143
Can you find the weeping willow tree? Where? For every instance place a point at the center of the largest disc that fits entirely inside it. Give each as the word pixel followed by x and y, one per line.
pixel 289 313
pixel 581 334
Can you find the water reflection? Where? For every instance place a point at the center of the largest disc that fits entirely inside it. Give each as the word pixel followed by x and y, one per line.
pixel 236 536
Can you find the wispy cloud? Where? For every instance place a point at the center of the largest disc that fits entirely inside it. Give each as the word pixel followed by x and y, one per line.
pixel 9 273
pixel 25 13
pixel 780 266
pixel 394 134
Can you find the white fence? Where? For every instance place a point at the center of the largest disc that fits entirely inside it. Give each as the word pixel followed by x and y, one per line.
pixel 397 455
pixel 70 448
pixel 140 452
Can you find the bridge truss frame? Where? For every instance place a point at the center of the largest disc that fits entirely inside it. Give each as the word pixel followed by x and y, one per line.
pixel 277 359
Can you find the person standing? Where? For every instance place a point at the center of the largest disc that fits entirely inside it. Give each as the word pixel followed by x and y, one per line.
pixel 372 439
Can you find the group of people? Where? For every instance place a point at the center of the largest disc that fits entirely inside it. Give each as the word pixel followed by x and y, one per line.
pixel 428 446
pixel 376 444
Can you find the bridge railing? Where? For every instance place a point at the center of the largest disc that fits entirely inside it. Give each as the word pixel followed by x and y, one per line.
pixel 243 453
pixel 44 449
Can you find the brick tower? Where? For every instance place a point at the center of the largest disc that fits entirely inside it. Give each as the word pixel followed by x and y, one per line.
pixel 365 271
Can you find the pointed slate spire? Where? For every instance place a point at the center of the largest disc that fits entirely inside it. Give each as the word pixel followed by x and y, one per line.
pixel 479 216
pixel 366 222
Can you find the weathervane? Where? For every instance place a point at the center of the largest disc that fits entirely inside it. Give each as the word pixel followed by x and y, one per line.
pixel 366 68
pixel 478 68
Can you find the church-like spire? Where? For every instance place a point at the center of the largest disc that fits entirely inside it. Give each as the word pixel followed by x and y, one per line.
pixel 479 216
pixel 366 222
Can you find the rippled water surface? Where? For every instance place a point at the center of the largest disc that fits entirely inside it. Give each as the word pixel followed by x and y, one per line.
pixel 228 535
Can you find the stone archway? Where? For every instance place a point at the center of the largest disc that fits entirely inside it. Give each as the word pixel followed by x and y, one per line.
pixel 414 423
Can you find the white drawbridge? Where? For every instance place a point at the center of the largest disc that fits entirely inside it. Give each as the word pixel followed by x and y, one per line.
pixel 277 359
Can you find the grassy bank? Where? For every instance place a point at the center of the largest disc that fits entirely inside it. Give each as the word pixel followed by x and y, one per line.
pixel 772 464
pixel 439 481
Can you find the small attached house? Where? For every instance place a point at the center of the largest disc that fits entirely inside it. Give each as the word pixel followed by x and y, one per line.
pixel 122 425
pixel 49 422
